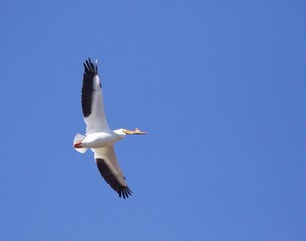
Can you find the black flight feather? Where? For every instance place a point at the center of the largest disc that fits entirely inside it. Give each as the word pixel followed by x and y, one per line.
pixel 90 71
pixel 110 178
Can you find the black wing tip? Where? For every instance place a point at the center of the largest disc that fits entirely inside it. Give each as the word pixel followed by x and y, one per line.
pixel 90 68
pixel 90 71
pixel 123 191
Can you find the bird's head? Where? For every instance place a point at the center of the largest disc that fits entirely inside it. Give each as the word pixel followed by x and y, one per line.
pixel 130 132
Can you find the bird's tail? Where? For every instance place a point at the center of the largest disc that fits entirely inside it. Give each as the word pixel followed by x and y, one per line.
pixel 77 139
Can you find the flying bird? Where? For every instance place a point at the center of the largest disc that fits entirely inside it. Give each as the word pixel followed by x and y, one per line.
pixel 99 137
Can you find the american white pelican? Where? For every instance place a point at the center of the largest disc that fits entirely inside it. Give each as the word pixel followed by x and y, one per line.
pixel 99 137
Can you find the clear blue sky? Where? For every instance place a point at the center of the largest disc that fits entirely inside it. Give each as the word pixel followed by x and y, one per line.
pixel 219 85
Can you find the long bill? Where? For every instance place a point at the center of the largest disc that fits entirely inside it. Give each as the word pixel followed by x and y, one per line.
pixel 134 132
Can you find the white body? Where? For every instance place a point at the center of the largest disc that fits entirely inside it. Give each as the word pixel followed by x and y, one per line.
pixel 101 139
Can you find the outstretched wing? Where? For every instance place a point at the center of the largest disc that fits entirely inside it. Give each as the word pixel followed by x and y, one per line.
pixel 92 99
pixel 110 170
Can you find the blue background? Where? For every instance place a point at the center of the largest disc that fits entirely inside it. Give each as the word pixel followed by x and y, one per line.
pixel 220 86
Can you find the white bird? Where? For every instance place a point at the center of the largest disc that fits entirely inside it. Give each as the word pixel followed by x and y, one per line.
pixel 99 137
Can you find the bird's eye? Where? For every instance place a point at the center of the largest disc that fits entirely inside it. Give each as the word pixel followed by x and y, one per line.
pixel 100 85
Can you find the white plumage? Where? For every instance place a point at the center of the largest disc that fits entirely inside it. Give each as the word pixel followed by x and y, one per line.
pixel 99 137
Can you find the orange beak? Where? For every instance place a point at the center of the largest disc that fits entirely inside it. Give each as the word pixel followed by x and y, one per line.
pixel 134 132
